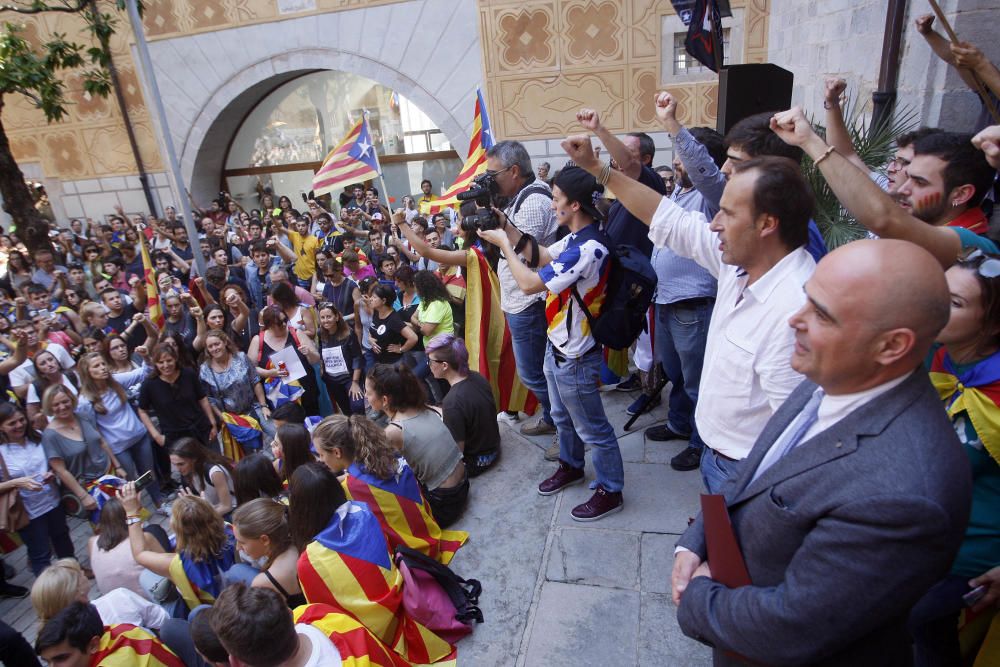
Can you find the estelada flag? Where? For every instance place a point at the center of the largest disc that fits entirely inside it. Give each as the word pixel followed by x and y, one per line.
pixel 348 567
pixel 402 511
pixel 357 645
pixel 201 582
pixel 976 391
pixel 353 160
pixel 482 140
pixel 125 645
pixel 239 433
pixel 152 290
pixel 487 337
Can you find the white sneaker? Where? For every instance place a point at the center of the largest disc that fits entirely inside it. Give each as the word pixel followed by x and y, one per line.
pixel 508 418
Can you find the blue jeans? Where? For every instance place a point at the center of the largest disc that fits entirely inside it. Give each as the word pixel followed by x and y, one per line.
pixel 137 459
pixel 716 471
pixel 529 340
pixel 681 336
pixel 578 414
pixel 42 534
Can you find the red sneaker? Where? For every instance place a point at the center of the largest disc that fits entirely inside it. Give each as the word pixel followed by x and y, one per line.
pixel 601 504
pixel 565 476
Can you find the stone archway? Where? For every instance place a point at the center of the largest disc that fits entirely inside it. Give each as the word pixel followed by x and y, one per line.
pixel 203 148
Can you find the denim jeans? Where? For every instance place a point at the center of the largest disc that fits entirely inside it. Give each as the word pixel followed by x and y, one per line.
pixel 716 471
pixel 578 414
pixel 137 459
pixel 681 336
pixel 42 534
pixel 529 340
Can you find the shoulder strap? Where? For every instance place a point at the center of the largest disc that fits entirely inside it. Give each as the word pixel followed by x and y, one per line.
pixel 277 586
pixel 526 192
pixel 583 307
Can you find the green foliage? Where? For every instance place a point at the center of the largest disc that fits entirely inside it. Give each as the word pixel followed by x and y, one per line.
pixel 875 146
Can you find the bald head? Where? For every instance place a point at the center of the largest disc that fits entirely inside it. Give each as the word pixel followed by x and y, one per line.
pixel 874 308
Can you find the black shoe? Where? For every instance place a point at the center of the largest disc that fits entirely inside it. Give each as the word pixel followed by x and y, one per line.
pixel 662 433
pixel 12 591
pixel 689 459
pixel 631 384
pixel 8 571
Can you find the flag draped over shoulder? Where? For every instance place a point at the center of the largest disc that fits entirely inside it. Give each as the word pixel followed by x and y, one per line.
pixel 201 582
pixel 348 567
pixel 239 433
pixel 700 16
pixel 352 161
pixel 491 351
pixel 976 392
pixel 357 645
pixel 152 291
pixel 475 164
pixel 403 512
pixel 125 645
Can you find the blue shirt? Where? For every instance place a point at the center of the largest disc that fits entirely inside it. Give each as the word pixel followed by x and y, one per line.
pixel 680 278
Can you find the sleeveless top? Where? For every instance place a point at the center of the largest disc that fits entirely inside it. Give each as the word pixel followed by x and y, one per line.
pixel 429 448
pixel 116 568
pixel 296 600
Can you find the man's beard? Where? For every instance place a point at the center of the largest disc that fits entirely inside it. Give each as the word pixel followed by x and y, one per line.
pixel 930 208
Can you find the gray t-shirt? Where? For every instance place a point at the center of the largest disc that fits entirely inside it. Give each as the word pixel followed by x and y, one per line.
pixel 84 459
pixel 29 460
pixel 429 448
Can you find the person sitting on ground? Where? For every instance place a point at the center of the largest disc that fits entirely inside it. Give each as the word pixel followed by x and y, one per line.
pixel 468 408
pixel 111 554
pixel 256 478
pixel 375 474
pixel 270 560
pixel 419 433
pixel 291 448
pixel 206 549
pixel 77 637
pixel 64 582
pixel 206 472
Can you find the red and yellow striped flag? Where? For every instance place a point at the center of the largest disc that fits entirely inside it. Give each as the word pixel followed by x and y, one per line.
pixel 348 567
pixel 125 645
pixel 353 160
pixel 482 140
pixel 491 351
pixel 403 513
pixel 152 290
pixel 357 645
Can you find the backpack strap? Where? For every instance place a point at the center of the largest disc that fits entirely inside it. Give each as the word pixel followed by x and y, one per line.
pixel 464 593
pixel 533 189
pixel 528 240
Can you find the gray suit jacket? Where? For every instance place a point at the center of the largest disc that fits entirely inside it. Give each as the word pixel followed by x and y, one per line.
pixel 841 537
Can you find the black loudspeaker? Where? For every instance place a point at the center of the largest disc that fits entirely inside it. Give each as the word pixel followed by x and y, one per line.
pixel 748 89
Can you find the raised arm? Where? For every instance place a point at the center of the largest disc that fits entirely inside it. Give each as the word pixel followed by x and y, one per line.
pixel 837 134
pixel 705 175
pixel 941 47
pixel 439 255
pixel 628 163
pixel 158 563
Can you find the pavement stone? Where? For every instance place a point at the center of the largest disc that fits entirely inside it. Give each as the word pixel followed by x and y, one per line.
pixel 573 558
pixel 656 562
pixel 661 641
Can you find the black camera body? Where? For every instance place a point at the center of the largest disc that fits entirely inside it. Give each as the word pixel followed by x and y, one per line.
pixel 485 192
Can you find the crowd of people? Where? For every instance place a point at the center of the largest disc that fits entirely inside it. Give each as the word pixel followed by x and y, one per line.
pixel 306 407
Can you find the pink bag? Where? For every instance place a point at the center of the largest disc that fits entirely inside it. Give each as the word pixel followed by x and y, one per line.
pixel 429 603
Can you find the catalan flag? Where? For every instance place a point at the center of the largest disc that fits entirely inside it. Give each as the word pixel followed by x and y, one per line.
pixel 239 433
pixel 352 161
pixel 403 512
pixel 152 291
pixel 349 568
pixel 482 140
pixel 491 351
pixel 280 392
pixel 975 392
pixel 201 582
pixel 357 645
pixel 125 645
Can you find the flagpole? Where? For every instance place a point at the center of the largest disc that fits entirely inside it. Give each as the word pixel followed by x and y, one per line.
pixel 378 168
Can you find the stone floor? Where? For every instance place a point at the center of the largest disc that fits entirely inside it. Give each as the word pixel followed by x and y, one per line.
pixel 555 591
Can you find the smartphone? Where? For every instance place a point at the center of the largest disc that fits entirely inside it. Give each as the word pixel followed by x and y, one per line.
pixel 144 480
pixel 975 595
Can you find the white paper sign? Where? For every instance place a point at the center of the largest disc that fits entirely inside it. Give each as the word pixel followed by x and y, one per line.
pixel 294 6
pixel 334 362
pixel 292 363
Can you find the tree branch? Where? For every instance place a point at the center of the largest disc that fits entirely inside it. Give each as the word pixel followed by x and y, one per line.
pixel 39 7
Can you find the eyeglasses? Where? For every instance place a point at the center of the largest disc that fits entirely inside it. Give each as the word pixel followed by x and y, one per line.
pixel 436 361
pixel 988 266
pixel 494 174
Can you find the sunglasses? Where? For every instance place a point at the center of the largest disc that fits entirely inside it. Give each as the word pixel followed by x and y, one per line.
pixel 987 266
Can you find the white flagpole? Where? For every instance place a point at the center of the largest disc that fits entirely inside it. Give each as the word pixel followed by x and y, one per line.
pixel 378 168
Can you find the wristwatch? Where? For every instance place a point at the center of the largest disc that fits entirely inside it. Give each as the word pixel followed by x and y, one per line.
pixel 133 520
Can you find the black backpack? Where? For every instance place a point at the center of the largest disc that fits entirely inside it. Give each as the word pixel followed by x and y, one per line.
pixel 630 289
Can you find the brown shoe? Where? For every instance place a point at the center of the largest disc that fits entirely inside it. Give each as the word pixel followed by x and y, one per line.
pixel 541 427
pixel 552 453
pixel 565 476
pixel 601 504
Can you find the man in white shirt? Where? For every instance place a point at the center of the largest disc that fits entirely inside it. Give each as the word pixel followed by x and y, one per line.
pixel 755 248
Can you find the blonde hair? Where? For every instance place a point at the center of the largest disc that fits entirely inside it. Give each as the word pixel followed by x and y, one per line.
pixel 56 588
pixel 90 309
pixel 49 397
pixel 263 516
pixel 360 439
pixel 200 531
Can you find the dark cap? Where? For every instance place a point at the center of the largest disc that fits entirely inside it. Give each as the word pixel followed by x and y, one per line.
pixel 581 187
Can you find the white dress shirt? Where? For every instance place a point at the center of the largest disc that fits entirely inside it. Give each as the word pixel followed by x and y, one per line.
pixel 747 371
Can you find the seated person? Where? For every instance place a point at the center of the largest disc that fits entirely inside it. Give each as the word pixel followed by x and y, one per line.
pixel 111 554
pixel 255 477
pixel 76 637
pixel 265 545
pixel 291 446
pixel 469 409
pixel 379 477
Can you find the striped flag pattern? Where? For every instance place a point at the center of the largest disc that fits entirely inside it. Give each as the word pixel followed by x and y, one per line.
pixel 357 645
pixel 126 645
pixel 239 433
pixel 491 351
pixel 201 582
pixel 349 568
pixel 353 160
pixel 403 512
pixel 152 291
pixel 482 140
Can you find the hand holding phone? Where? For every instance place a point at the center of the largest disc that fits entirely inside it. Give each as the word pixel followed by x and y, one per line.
pixel 144 480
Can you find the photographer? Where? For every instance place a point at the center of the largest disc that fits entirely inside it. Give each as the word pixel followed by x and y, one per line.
pixel 529 209
pixel 574 271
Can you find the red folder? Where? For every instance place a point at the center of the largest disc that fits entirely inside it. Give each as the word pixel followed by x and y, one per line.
pixel 724 555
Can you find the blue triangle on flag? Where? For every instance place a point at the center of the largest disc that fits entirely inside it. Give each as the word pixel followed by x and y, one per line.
pixel 363 149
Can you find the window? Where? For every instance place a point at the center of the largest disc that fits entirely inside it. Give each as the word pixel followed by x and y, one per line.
pixel 684 63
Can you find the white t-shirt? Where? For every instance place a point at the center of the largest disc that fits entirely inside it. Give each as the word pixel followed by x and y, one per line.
pixel 324 653
pixel 25 373
pixel 33 396
pixel 123 606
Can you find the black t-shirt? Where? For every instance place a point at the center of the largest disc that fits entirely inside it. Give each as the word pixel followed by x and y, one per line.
pixel 176 404
pixel 349 348
pixel 626 229
pixel 385 333
pixel 121 322
pixel 471 415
